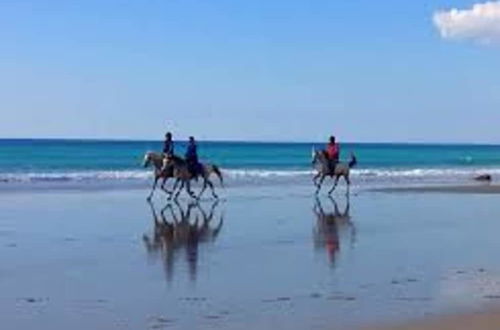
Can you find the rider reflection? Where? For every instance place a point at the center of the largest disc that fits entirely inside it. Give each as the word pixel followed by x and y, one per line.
pixel 332 227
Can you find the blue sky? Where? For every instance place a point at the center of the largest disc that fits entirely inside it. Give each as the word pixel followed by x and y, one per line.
pixel 247 70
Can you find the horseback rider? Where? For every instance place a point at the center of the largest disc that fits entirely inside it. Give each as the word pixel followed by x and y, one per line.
pixel 168 145
pixel 192 157
pixel 332 153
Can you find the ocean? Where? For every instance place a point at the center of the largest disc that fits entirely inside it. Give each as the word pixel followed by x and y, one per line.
pixel 120 162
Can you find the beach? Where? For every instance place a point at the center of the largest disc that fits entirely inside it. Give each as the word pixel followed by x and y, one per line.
pixel 263 257
pixel 470 188
pixel 82 248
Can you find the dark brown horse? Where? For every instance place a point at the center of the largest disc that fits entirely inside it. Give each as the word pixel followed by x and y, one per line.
pixel 182 172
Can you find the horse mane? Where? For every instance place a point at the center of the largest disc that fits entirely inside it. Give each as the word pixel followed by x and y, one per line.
pixel 177 159
pixel 321 153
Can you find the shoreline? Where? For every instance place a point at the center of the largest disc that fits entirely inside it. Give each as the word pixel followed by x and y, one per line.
pixel 106 185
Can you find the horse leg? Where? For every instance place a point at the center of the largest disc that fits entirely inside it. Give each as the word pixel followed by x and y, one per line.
pixel 348 182
pixel 211 185
pixel 202 189
pixel 318 186
pixel 153 189
pixel 174 188
pixel 188 189
pixel 316 178
pixel 180 189
pixel 163 186
pixel 334 185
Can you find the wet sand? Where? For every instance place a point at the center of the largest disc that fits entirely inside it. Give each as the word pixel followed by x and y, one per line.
pixel 458 189
pixel 265 257
pixel 478 321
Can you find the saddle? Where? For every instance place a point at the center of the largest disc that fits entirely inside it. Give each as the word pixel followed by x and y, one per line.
pixel 332 163
pixel 168 171
pixel 195 169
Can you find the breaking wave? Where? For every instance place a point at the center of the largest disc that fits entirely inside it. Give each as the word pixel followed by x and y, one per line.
pixel 258 175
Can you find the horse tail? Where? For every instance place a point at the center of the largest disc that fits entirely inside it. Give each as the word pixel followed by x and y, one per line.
pixel 353 162
pixel 219 174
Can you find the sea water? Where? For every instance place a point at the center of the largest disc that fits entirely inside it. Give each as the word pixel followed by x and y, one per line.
pixel 120 162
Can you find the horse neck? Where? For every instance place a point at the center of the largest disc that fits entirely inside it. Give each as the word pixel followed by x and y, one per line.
pixel 321 160
pixel 157 160
pixel 178 160
pixel 178 163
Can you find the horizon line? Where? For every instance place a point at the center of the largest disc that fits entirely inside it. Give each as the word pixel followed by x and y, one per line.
pixel 75 139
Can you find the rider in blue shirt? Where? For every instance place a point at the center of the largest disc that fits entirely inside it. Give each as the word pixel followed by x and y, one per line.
pixel 192 157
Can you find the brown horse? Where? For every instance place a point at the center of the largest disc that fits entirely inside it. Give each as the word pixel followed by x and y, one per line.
pixel 322 166
pixel 182 172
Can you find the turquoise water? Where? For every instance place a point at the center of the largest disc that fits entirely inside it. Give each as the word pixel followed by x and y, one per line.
pixel 77 160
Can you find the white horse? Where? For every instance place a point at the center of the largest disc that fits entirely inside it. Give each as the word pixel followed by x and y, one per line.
pixel 159 170
pixel 322 166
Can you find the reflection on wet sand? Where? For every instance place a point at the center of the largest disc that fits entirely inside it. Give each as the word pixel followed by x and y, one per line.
pixel 332 227
pixel 178 229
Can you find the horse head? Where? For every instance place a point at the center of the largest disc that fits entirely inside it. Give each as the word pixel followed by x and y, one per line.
pixel 314 155
pixel 317 156
pixel 147 159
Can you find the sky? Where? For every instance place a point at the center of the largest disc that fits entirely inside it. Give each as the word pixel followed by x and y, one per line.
pixel 295 70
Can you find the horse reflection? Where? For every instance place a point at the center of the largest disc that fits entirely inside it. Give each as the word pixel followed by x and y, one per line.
pixel 332 227
pixel 177 229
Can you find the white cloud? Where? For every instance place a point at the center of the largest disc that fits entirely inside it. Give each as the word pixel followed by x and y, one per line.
pixel 480 23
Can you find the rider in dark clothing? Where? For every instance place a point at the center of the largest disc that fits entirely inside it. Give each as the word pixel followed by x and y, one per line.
pixel 168 145
pixel 168 150
pixel 192 157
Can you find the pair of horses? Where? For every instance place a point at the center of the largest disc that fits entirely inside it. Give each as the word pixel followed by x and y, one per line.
pixel 171 166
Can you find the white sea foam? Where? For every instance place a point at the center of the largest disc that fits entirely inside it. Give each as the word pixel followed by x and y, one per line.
pixel 257 175
pixel 75 176
pixel 416 173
